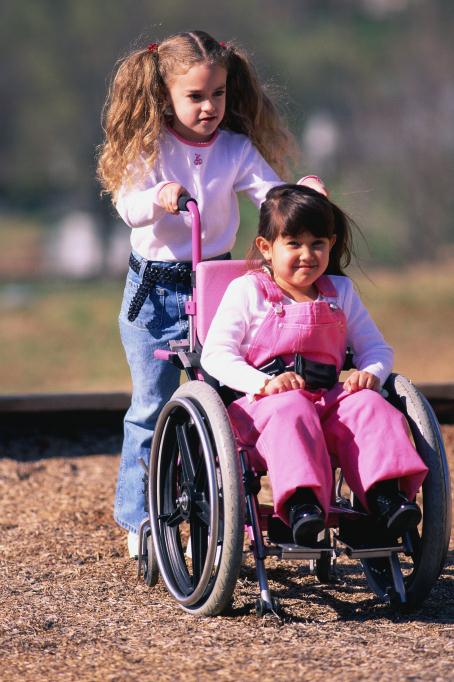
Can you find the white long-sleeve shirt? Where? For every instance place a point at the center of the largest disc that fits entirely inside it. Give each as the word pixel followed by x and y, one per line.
pixel 242 311
pixel 212 172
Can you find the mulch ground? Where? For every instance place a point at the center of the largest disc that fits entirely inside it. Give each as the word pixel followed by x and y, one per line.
pixel 71 607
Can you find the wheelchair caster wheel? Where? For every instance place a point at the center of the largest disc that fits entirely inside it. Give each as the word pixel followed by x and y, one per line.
pixel 395 599
pixel 262 607
pixel 325 567
pixel 151 571
pixel 325 570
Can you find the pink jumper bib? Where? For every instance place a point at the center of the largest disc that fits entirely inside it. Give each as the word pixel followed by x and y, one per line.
pixel 294 434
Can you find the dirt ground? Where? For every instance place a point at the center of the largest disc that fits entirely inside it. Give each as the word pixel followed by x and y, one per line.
pixel 71 607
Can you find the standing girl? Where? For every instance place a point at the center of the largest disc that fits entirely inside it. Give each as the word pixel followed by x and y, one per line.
pixel 185 116
pixel 280 336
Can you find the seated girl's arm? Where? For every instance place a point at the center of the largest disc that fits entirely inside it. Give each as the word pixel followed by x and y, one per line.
pixel 371 354
pixel 221 354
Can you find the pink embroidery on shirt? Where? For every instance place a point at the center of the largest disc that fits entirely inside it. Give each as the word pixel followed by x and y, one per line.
pixel 197 160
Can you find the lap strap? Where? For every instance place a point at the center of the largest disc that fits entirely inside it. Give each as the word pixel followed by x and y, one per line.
pixel 315 374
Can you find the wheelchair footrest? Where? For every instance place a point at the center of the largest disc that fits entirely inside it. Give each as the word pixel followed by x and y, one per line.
pixel 371 552
pixel 364 538
pixel 291 552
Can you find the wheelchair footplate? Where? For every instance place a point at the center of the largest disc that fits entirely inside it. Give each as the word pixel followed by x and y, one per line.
pixel 362 538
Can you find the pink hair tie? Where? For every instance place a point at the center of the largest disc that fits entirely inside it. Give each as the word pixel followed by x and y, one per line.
pixel 314 182
pixel 222 44
pixel 152 47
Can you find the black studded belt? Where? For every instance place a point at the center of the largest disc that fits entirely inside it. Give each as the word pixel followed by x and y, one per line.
pixel 175 273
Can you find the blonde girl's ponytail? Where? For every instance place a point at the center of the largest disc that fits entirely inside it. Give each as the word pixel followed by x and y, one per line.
pixel 133 118
pixel 250 111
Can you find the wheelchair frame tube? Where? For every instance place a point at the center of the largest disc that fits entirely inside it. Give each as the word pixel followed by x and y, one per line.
pixel 191 307
pixel 258 547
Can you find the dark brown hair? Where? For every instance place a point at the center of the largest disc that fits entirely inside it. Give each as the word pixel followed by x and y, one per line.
pixel 289 210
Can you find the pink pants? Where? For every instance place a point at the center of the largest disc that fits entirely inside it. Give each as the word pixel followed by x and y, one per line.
pixel 293 435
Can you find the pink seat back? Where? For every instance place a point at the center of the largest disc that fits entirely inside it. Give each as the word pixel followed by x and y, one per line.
pixel 213 277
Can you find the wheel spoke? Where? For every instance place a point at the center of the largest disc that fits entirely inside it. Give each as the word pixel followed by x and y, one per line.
pixel 202 510
pixel 199 542
pixel 185 452
pixel 174 519
pixel 200 475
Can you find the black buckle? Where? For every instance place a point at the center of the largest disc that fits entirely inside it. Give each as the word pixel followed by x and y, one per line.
pixel 315 374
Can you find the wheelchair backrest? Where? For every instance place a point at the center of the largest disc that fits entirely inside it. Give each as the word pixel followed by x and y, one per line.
pixel 212 279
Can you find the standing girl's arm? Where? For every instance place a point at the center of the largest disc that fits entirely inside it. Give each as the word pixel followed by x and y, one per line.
pixel 143 205
pixel 138 203
pixel 255 176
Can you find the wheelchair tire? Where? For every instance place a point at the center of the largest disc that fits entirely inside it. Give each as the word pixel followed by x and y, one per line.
pixel 196 492
pixel 151 570
pixel 421 568
pixel 324 567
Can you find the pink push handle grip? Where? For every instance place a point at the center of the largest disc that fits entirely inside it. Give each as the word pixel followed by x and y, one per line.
pixel 187 203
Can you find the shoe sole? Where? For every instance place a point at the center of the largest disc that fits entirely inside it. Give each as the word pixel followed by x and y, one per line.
pixel 306 534
pixel 403 520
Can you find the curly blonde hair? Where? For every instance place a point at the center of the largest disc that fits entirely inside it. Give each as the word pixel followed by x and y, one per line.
pixel 135 109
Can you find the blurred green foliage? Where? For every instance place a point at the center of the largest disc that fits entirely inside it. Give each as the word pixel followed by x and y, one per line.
pixel 375 75
pixel 63 336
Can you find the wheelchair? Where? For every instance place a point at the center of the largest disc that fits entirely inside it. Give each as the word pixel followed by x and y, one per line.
pixel 202 493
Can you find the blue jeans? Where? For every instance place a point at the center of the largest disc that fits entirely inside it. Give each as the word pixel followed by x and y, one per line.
pixel 161 319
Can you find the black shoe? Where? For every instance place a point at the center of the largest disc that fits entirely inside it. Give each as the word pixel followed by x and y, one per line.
pixel 307 521
pixel 397 513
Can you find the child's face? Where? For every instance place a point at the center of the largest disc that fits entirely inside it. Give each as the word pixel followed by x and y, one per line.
pixel 197 98
pixel 297 261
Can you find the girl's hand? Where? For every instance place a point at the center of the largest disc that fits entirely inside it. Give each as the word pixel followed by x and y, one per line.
pixel 168 196
pixel 288 381
pixel 358 380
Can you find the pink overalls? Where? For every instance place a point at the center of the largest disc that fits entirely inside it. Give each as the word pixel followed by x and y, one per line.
pixel 293 434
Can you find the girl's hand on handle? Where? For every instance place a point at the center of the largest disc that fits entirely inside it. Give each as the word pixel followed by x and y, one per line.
pixel 168 196
pixel 288 381
pixel 358 380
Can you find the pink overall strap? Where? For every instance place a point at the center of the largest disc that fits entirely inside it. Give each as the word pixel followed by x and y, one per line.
pixel 270 289
pixel 325 286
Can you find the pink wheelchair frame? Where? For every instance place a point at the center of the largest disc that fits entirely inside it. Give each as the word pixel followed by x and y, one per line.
pixel 201 487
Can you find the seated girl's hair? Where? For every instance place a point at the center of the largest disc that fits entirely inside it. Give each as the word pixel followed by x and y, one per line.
pixel 289 210
pixel 136 109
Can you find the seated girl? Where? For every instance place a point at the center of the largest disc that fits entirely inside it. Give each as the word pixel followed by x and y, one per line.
pixel 280 337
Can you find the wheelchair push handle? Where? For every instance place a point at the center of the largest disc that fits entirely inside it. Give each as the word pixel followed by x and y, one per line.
pixel 183 200
pixel 188 203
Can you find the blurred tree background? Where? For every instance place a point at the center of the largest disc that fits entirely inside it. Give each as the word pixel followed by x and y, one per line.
pixel 366 86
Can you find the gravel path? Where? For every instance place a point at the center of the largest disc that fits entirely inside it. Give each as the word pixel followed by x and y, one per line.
pixel 72 609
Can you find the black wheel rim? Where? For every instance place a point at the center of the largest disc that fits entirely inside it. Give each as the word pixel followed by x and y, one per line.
pixel 186 502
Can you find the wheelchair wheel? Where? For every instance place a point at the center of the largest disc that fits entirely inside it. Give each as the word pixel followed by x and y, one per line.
pixel 196 500
pixel 415 573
